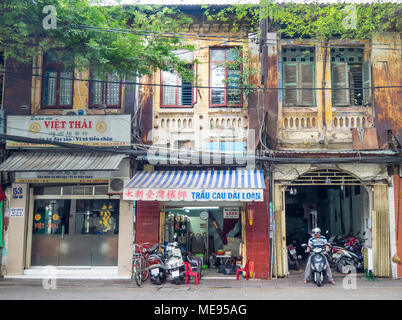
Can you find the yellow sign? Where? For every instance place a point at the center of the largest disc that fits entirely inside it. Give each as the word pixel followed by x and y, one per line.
pixel 56 217
pixel 35 127
pixel 38 217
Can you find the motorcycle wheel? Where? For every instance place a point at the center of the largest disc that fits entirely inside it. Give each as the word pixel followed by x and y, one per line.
pixel 158 281
pixel 317 278
pixel 177 281
pixel 297 265
pixel 345 266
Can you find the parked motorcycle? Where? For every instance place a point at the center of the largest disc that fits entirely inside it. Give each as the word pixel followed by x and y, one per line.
pixel 157 267
pixel 174 263
pixel 318 264
pixel 293 258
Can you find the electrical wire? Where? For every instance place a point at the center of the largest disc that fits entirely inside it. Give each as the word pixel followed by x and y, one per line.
pixel 205 87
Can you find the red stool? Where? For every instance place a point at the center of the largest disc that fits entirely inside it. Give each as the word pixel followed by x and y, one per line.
pixel 190 272
pixel 245 269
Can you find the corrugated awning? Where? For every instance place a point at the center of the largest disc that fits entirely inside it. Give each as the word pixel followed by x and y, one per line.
pixel 222 185
pixel 62 161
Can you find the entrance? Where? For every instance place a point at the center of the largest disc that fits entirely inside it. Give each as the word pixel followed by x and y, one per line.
pixel 339 211
pixel 80 230
pixel 214 234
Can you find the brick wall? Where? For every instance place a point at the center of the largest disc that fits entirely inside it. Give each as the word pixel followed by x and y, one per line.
pixel 147 224
pixel 258 237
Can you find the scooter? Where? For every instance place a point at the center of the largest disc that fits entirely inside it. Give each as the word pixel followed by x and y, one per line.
pixel 157 267
pixel 174 263
pixel 318 264
pixel 347 261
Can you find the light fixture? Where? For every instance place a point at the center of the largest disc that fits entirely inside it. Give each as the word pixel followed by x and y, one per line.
pixel 189 208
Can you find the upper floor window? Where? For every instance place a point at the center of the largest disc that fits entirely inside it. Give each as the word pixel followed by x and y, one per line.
pixel 176 91
pixel 57 81
pixel 1 76
pixel 105 90
pixel 350 74
pixel 298 74
pixel 225 77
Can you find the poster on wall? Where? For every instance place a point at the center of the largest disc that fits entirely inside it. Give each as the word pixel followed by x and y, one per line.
pixel 17 212
pixel 231 213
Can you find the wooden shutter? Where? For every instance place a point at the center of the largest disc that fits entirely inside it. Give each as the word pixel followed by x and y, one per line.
pixel 367 83
pixel 306 80
pixel 340 79
pixel 290 81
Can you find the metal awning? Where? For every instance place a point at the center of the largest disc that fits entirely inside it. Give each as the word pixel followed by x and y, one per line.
pixel 62 161
pixel 219 185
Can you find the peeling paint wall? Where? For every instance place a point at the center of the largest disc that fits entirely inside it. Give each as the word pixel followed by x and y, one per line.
pixel 387 70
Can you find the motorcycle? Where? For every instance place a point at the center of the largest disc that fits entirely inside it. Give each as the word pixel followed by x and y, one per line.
pixel 157 267
pixel 293 258
pixel 318 264
pixel 174 263
pixel 349 257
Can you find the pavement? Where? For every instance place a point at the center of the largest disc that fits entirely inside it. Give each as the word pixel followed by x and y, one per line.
pixel 292 287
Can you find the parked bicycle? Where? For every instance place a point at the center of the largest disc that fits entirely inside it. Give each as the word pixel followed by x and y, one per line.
pixel 140 271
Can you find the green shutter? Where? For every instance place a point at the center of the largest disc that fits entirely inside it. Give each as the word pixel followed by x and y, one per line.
pixel 290 81
pixel 306 80
pixel 340 79
pixel 367 83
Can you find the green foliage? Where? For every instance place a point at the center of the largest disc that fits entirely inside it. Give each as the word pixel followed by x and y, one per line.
pixel 105 37
pixel 314 20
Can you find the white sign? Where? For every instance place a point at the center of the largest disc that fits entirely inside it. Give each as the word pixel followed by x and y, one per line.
pixel 63 177
pixel 244 195
pixel 231 213
pixel 96 131
pixel 17 212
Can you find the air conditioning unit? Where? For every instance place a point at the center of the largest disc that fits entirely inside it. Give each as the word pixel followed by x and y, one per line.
pixel 77 112
pixel 116 185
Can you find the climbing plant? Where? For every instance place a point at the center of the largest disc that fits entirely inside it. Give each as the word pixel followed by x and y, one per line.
pixel 313 20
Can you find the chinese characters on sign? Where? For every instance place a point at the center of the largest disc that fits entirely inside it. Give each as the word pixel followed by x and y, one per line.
pixel 192 195
pixel 231 213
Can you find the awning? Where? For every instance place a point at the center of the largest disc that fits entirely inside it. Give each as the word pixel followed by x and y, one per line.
pixel 62 161
pixel 219 185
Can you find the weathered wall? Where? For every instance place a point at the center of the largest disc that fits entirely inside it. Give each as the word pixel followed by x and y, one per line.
pixel 398 220
pixel 387 69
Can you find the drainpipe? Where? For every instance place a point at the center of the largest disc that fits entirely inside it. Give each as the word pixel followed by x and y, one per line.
pixel 324 124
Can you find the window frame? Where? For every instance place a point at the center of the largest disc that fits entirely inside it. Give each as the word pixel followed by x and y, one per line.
pixel 104 93
pixel 58 66
pixel 211 62
pixel 193 91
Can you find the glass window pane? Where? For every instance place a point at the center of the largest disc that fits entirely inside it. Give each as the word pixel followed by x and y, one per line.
pixel 50 216
pixel 50 87
pixel 234 81
pixel 66 88
pixel 218 80
pixel 169 93
pixel 218 55
pixel 97 217
pixel 232 54
pixel 113 90
pixel 97 92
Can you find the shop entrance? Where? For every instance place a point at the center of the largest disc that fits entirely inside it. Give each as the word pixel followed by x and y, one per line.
pixel 212 233
pixel 74 230
pixel 336 201
pixel 339 211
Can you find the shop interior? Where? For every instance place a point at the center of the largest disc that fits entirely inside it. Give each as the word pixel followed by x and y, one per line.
pixel 208 233
pixel 338 210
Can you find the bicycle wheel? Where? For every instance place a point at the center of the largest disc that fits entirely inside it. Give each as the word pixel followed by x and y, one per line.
pixel 137 272
pixel 144 269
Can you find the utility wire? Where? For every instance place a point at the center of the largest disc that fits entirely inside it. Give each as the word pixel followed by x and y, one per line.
pixel 202 87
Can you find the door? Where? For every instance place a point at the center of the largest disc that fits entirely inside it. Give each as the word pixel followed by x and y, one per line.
pixel 75 232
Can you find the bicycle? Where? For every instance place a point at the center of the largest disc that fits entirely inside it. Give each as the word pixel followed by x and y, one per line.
pixel 140 270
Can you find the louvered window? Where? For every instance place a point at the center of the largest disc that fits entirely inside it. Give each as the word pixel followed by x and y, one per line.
pixel 351 78
pixel 176 92
pixel 298 76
